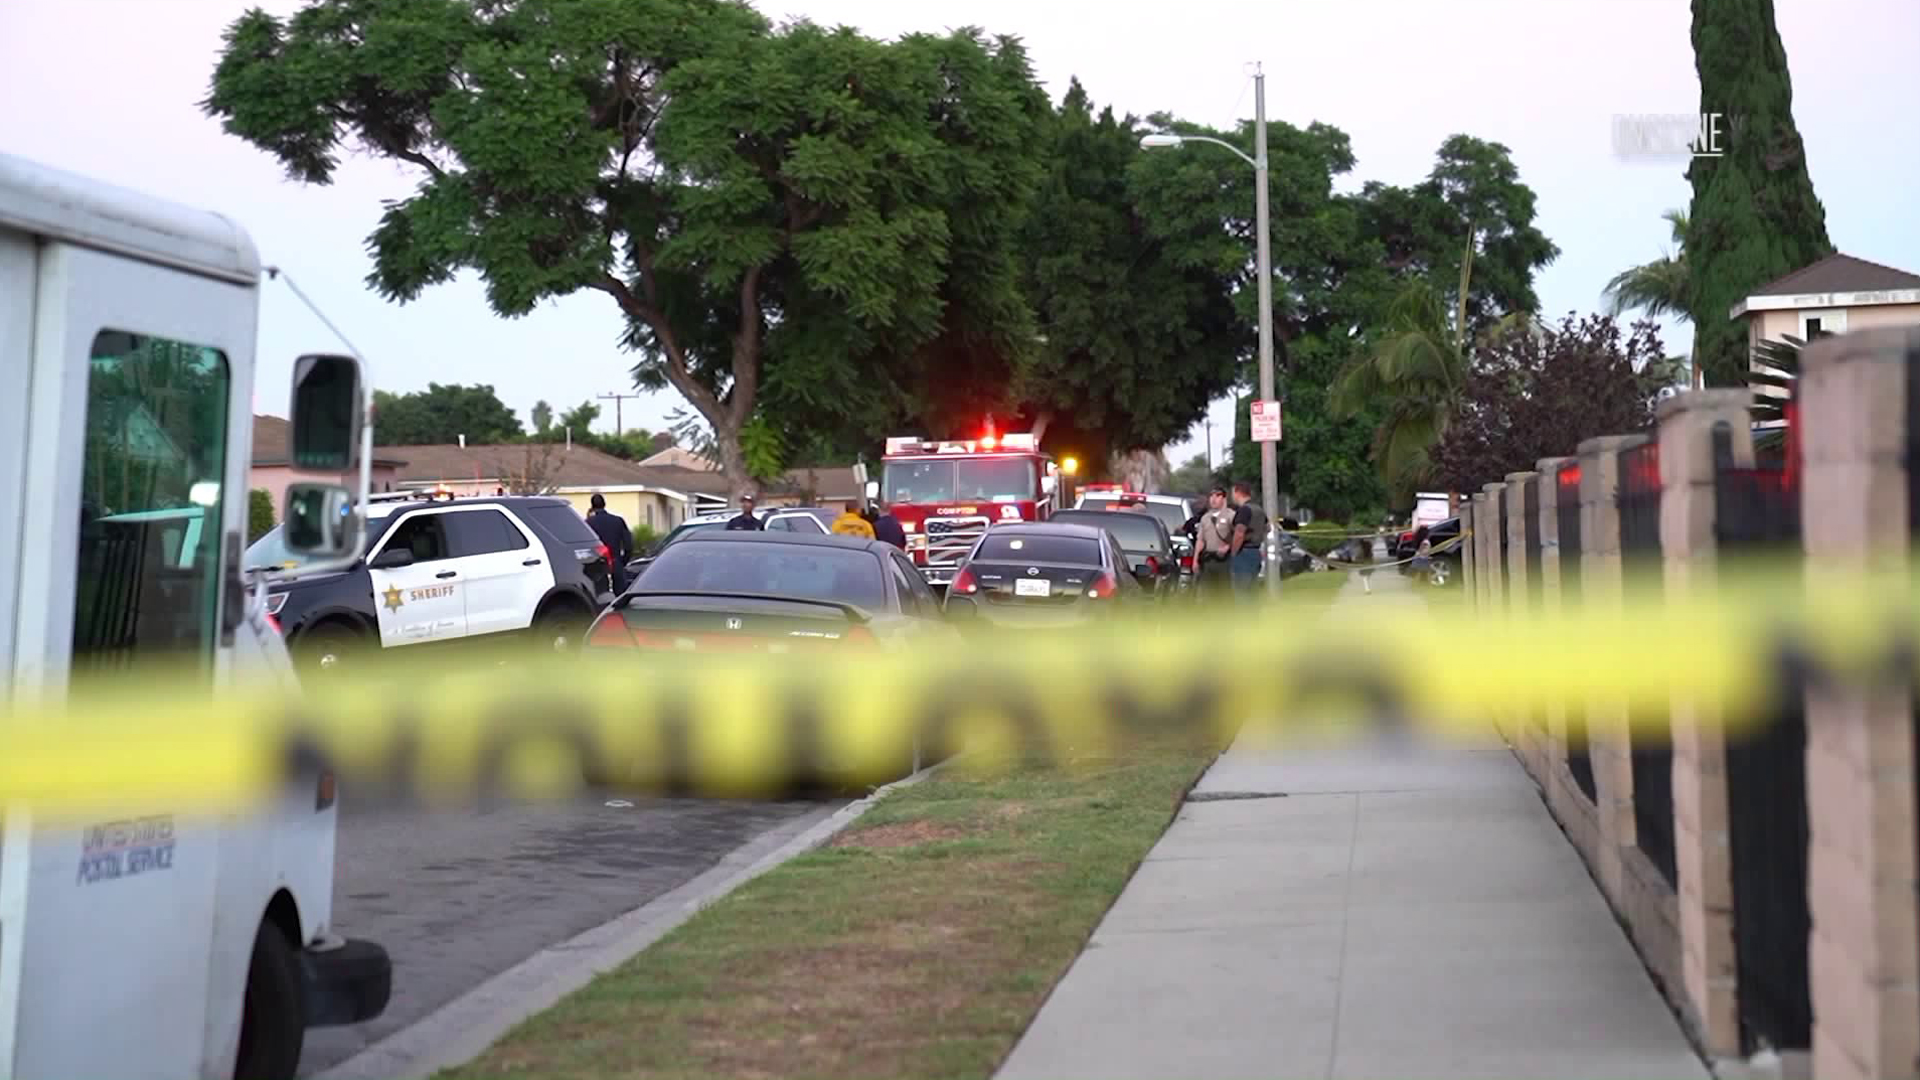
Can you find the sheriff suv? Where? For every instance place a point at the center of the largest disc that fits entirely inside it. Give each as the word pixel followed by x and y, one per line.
pixel 442 570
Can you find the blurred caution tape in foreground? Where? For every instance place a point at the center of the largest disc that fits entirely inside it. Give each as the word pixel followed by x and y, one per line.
pixel 522 723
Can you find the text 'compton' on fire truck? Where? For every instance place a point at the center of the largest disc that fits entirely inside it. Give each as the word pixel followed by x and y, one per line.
pixel 945 493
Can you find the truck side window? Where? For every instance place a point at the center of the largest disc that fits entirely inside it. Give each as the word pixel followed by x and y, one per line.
pixel 151 499
pixel 422 534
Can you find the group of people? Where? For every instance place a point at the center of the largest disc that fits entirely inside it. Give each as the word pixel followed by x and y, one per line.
pixel 1227 542
pixel 871 522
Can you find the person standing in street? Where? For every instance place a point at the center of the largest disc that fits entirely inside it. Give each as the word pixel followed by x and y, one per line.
pixel 887 527
pixel 1212 533
pixel 1249 534
pixel 744 521
pixel 612 530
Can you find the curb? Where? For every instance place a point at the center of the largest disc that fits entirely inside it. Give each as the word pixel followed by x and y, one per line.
pixel 465 1027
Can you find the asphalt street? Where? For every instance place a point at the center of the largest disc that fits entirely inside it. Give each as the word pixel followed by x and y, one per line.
pixel 460 896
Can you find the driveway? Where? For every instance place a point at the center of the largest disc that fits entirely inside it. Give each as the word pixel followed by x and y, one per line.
pixel 460 896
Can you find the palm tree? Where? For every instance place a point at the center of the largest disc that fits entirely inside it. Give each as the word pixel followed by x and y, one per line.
pixel 1416 371
pixel 1659 287
pixel 1775 364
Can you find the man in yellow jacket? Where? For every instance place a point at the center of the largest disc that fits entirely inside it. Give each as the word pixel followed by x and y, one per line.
pixel 852 523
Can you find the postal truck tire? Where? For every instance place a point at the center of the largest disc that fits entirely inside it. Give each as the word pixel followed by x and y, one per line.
pixel 273 1017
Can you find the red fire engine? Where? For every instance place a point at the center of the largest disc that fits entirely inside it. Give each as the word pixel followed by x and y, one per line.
pixel 946 493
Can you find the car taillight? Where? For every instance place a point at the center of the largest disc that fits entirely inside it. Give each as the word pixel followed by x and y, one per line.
pixel 1153 565
pixel 963 582
pixel 1186 562
pixel 274 621
pixel 611 633
pixel 606 554
pixel 1103 587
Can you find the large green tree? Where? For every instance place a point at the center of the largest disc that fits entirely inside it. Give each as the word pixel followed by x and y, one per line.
pixel 1139 327
pixel 442 414
pixel 1754 215
pixel 793 214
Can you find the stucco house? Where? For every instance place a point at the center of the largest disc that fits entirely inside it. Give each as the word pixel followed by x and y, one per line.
pixel 1836 295
pixel 657 498
pixel 273 470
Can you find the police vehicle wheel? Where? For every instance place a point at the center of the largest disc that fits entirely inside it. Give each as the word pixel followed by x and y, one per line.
pixel 1442 571
pixel 562 628
pixel 273 1015
pixel 326 649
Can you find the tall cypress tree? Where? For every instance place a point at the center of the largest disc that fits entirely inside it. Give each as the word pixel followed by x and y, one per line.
pixel 1754 216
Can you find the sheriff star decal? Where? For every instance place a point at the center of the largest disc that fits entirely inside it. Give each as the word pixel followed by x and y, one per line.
pixel 392 597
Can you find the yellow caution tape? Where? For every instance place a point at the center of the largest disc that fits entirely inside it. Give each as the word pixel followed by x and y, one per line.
pixel 528 724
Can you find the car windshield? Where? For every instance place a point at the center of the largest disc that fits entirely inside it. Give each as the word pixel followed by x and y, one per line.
pixel 1135 531
pixel 983 479
pixel 270 551
pixel 801 571
pixel 1039 547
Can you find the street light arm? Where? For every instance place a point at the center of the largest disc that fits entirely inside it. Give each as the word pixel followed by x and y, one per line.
pixel 1219 142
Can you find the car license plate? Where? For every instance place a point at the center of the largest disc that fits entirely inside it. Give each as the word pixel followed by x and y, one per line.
pixel 1033 587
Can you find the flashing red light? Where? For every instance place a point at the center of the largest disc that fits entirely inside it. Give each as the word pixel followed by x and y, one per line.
pixel 988 441
pixel 964 583
pixel 1103 588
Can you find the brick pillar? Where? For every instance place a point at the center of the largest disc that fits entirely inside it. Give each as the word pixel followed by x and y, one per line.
pixel 1492 528
pixel 1701 845
pixel 1856 392
pixel 1488 528
pixel 1529 723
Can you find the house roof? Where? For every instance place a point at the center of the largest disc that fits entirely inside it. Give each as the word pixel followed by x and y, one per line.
pixel 565 466
pixel 832 482
pixel 273 443
pixel 1839 273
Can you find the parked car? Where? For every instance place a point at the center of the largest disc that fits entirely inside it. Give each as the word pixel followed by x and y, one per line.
pixel 773 591
pixel 1446 562
pixel 1042 575
pixel 1143 538
pixel 436 571
pixel 1173 511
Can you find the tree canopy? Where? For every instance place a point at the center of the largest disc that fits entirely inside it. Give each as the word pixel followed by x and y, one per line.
pixel 798 212
pixel 1536 392
pixel 441 414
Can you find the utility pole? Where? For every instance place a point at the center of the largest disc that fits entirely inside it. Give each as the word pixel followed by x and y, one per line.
pixel 1209 445
pixel 619 428
pixel 1269 459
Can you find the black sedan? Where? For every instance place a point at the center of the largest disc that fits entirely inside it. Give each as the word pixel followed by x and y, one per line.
pixel 1042 575
pixel 776 592
pixel 1142 537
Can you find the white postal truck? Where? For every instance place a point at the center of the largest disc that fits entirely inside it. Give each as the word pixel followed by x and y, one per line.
pixel 157 946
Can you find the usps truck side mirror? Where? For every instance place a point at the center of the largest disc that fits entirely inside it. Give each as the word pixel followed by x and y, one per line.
pixel 873 490
pixel 328 411
pixel 320 521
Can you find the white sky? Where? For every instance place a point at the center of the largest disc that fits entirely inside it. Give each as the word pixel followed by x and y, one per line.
pixel 108 88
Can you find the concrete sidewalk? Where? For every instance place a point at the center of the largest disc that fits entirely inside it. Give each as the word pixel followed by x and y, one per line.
pixel 1366 908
